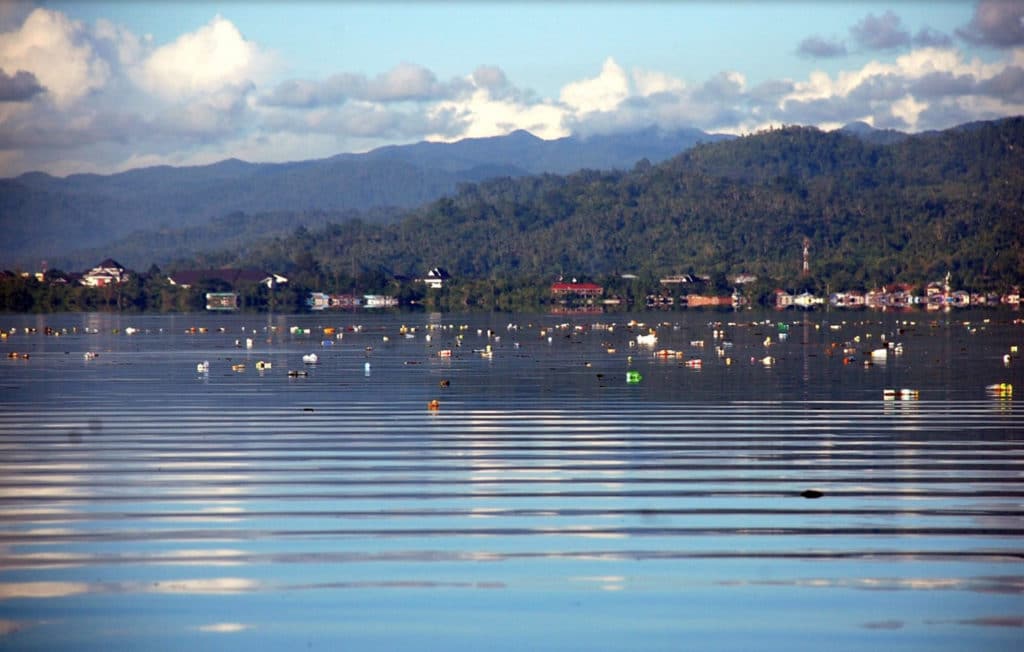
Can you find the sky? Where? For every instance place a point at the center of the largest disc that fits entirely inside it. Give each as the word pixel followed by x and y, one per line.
pixel 104 87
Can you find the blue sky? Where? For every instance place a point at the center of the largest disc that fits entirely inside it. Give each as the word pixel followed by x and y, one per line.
pixel 107 86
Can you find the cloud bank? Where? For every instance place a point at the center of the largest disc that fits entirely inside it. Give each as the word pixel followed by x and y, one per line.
pixel 97 97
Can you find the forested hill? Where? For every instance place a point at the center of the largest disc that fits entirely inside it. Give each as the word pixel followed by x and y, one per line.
pixel 69 221
pixel 872 213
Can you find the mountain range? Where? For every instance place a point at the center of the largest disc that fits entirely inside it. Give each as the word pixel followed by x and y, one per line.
pixel 177 211
pixel 911 210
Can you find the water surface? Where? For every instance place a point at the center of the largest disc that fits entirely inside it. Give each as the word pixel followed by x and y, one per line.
pixel 547 503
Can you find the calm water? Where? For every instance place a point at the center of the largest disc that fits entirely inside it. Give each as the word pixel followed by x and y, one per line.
pixel 547 504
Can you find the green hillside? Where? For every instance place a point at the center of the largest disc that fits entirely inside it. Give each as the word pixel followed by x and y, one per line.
pixel 873 213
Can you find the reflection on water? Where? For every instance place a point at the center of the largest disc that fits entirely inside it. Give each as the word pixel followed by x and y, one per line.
pixel 544 502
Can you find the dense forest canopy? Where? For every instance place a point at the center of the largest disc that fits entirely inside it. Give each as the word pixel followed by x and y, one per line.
pixel 68 220
pixel 873 214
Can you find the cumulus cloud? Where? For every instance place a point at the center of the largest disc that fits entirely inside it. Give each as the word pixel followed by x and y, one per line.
pixel 361 120
pixel 97 97
pixel 883 32
pixel 601 93
pixel 213 115
pixel 206 60
pixel 19 87
pixel 93 93
pixel 57 52
pixel 996 23
pixel 651 82
pixel 406 82
pixel 490 77
pixel 920 90
pixel 482 114
pixel 815 47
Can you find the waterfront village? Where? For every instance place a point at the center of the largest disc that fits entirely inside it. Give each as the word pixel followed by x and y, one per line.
pixel 682 290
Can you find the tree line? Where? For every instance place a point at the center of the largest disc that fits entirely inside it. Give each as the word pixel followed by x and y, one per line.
pixel 873 214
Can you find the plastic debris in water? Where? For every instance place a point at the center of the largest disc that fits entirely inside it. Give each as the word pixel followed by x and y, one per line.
pixel 901 394
pixel 1001 390
pixel 633 377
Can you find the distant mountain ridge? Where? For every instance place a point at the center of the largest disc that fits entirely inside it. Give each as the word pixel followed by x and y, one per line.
pixel 931 204
pixel 46 217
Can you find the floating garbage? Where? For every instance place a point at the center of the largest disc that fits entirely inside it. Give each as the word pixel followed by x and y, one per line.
pixel 263 365
pixel 901 394
pixel 297 374
pixel 647 340
pixel 202 367
pixel 434 405
pixel 444 353
pixel 366 368
pixel 633 377
pixel 90 355
pixel 812 493
pixel 1001 390
pixel 238 367
pixel 310 358
pixel 694 364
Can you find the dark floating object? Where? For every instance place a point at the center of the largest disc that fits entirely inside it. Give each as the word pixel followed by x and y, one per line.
pixel 445 383
pixel 811 493
pixel 307 409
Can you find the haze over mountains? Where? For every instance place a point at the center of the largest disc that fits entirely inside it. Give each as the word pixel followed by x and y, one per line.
pixel 69 221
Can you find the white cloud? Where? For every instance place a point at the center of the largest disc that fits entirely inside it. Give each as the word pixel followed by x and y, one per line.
pixel 127 46
pixel 908 109
pixel 485 115
pixel 206 60
pixel 649 82
pixel 406 82
pixel 76 97
pixel 602 93
pixel 55 50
